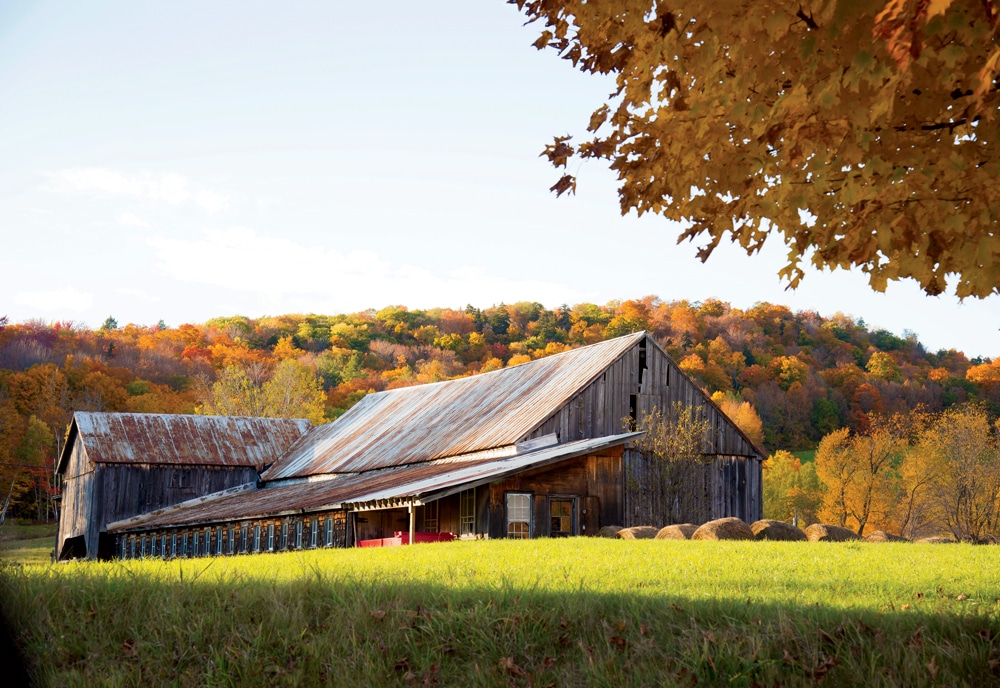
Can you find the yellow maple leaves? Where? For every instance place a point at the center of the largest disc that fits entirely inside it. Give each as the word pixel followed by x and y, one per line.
pixel 749 122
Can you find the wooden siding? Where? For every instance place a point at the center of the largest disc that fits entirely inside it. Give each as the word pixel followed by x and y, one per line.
pixel 111 492
pixel 77 494
pixel 603 406
pixel 726 486
pixel 594 480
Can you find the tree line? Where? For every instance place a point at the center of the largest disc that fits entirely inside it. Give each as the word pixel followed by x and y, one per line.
pixel 915 474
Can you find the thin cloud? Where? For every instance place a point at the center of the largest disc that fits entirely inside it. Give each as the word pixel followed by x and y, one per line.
pixel 170 188
pixel 64 299
pixel 130 220
pixel 285 272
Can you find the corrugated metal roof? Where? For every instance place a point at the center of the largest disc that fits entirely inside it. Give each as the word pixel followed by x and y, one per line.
pixel 153 438
pixel 431 480
pixel 426 422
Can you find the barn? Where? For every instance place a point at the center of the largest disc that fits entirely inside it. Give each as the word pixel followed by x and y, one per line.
pixel 117 465
pixel 535 450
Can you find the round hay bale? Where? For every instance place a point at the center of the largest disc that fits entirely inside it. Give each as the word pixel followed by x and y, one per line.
pixel 723 529
pixel 882 536
pixel 768 529
pixel 822 532
pixel 679 531
pixel 608 531
pixel 637 533
pixel 937 540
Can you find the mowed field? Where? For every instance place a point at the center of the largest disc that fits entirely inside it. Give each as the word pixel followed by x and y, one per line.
pixel 580 611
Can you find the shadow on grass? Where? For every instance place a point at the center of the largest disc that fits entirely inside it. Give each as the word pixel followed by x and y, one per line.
pixel 120 628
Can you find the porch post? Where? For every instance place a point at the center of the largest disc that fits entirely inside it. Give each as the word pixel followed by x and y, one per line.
pixel 413 521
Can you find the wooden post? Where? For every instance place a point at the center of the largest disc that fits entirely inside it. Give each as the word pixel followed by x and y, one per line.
pixel 413 521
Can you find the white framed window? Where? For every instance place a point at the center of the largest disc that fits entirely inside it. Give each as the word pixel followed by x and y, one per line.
pixel 518 515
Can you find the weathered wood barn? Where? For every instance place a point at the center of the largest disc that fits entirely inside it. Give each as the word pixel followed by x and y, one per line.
pixel 117 465
pixel 533 450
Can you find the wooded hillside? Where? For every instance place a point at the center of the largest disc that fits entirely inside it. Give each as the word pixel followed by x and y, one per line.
pixel 805 374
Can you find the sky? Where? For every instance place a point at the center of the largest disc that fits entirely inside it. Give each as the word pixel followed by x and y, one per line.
pixel 187 160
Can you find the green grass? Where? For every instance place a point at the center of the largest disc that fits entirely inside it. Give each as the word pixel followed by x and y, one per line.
pixel 27 543
pixel 806 455
pixel 546 612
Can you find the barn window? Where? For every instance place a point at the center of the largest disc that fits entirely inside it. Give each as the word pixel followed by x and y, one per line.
pixel 218 540
pixel 230 539
pixel 270 537
pixel 431 517
pixel 131 546
pixel 298 533
pixel 313 531
pixel 518 515
pixel 562 516
pixel 329 531
pixel 184 544
pixel 256 537
pixel 244 538
pixel 173 544
pixel 196 540
pixel 467 512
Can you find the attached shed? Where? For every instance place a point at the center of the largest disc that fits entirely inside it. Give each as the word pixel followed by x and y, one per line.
pixel 117 465
pixel 538 449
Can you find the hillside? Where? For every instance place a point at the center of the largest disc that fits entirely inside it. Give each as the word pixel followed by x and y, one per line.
pixel 804 373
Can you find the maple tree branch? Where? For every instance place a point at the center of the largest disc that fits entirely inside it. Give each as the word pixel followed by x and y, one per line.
pixel 808 19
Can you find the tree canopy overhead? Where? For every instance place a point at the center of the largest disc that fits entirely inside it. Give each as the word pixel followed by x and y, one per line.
pixel 863 132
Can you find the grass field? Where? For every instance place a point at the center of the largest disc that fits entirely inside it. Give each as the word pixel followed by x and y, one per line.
pixel 805 456
pixel 545 612
pixel 27 544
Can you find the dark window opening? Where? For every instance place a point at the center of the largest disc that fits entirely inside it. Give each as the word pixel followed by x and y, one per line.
pixel 642 361
pixel 74 548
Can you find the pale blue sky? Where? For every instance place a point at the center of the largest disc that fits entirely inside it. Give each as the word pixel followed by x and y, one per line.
pixel 187 160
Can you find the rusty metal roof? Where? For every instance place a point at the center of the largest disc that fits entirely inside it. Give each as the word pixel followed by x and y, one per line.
pixel 381 488
pixel 153 438
pixel 426 422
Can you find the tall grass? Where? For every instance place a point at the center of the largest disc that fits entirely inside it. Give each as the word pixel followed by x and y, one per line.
pixel 548 612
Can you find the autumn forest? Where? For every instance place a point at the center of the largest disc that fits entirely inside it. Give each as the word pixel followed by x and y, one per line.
pixel 794 381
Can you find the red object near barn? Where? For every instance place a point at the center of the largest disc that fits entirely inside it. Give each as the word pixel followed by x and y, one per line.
pixel 403 538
